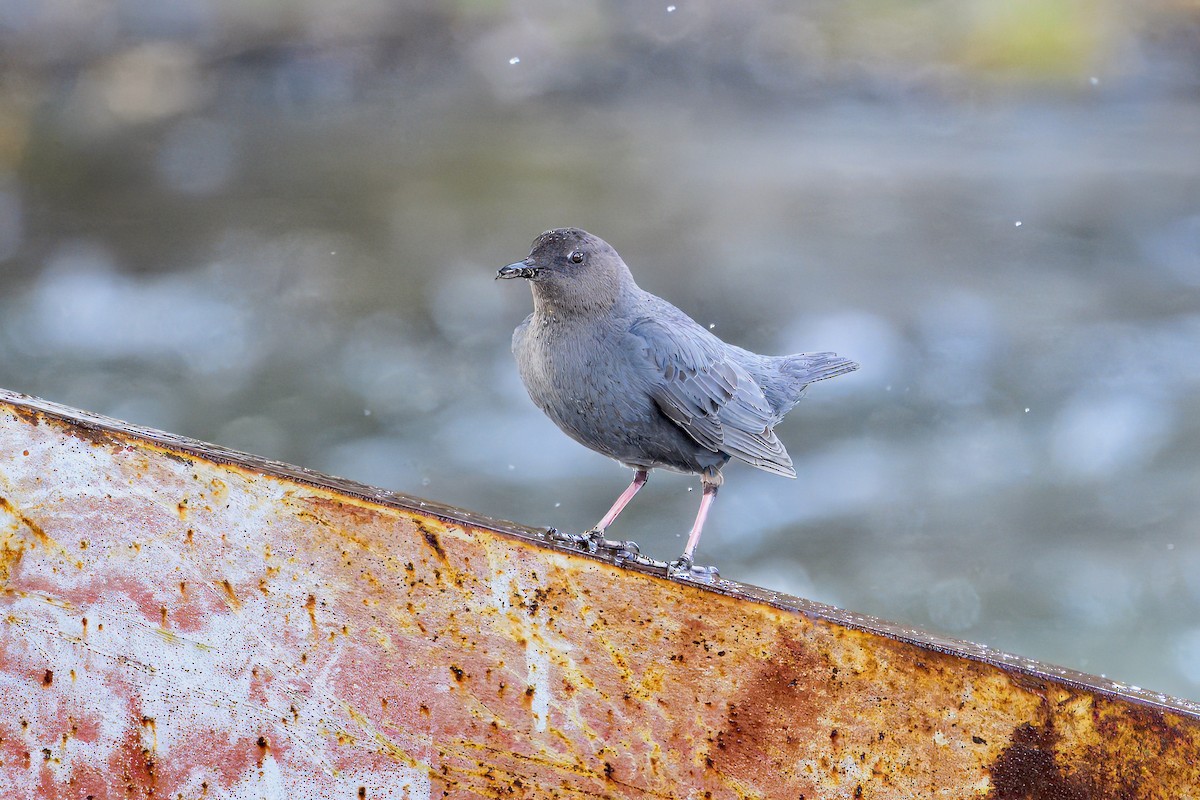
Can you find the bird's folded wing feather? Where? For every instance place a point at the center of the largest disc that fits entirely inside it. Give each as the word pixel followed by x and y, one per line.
pixel 707 394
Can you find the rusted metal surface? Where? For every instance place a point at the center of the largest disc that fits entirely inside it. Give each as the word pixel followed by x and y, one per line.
pixel 182 621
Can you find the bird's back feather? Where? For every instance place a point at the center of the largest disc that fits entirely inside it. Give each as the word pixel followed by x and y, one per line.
pixel 710 395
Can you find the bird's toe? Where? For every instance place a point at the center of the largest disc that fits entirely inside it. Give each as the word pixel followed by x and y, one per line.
pixel 684 568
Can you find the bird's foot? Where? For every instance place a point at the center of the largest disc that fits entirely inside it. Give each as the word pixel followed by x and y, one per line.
pixel 684 568
pixel 621 549
pixel 577 539
pixel 593 541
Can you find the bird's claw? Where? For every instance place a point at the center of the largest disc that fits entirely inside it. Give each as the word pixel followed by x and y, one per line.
pixel 683 567
pixel 593 541
pixel 575 539
pixel 621 549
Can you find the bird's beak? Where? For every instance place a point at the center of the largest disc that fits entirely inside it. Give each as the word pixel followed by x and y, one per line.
pixel 521 269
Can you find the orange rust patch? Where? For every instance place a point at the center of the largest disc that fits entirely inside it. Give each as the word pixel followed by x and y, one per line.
pixel 12 545
pixel 230 594
pixel 781 701
pixel 431 539
pixel 577 679
pixel 1028 770
pixel 11 550
pixel 310 605
pixel 32 526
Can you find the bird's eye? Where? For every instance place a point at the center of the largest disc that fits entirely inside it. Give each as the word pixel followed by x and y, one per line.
pixel 576 257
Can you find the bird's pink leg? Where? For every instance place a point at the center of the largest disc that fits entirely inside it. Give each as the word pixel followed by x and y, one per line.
pixel 594 540
pixel 639 480
pixel 684 567
pixel 706 499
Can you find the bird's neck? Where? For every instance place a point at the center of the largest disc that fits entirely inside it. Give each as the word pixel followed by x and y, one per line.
pixel 571 308
pixel 588 304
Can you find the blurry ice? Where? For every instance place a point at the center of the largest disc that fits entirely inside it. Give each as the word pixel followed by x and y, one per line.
pixel 1093 590
pixel 487 441
pixel 1186 654
pixel 469 307
pixel 547 44
pixel 1170 353
pixel 960 339
pixel 256 434
pixel 1098 434
pixel 1188 562
pixel 144 83
pixel 679 23
pixel 21 16
pixel 953 604
pixel 786 50
pixel 1134 505
pixel 159 409
pixel 781 575
pixel 1176 249
pixel 845 479
pixel 80 304
pixel 151 19
pixel 867 338
pixel 291 267
pixel 378 359
pixel 197 156
pixel 384 461
pixel 979 454
pixel 11 219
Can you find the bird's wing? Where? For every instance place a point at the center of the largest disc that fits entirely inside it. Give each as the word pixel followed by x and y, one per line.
pixel 707 394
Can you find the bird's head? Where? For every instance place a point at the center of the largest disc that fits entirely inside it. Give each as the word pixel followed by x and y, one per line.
pixel 570 270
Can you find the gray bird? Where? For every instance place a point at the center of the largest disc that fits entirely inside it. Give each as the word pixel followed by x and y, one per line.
pixel 631 376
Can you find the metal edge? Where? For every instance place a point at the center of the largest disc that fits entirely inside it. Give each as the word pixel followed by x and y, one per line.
pixel 1028 669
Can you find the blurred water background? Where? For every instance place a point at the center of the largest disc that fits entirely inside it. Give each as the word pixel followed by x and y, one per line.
pixel 274 225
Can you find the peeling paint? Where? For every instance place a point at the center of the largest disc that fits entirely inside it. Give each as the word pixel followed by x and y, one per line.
pixel 183 621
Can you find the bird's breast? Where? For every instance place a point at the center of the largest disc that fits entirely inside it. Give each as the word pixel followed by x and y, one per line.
pixel 575 376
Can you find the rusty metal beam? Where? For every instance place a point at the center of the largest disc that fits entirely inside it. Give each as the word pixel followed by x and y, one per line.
pixel 184 621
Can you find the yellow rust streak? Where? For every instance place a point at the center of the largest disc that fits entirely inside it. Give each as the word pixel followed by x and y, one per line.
pixel 608 682
pixel 12 545
pixel 593 769
pixel 231 597
pixel 386 745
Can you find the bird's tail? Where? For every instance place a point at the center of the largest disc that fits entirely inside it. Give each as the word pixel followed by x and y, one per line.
pixel 788 376
pixel 812 367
